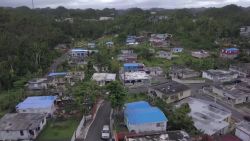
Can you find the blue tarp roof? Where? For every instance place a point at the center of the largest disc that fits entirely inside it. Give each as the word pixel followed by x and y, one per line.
pixel 130 65
pixel 57 74
pixel 141 112
pixel 37 102
pixel 232 49
pixel 79 50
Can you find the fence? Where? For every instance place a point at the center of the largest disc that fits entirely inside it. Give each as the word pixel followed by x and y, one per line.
pixel 78 130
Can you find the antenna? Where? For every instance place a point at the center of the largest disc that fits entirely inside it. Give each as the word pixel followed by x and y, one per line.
pixel 33 4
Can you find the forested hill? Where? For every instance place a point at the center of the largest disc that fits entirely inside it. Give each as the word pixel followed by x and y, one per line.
pixel 27 37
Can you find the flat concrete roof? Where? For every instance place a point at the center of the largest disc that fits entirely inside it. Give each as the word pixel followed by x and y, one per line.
pixel 104 76
pixel 140 75
pixel 244 126
pixel 207 116
pixel 220 72
pixel 21 121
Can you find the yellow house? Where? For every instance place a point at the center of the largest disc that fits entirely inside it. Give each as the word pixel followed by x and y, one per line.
pixel 169 91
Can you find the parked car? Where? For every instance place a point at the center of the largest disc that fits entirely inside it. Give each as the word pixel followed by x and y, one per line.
pixel 105 132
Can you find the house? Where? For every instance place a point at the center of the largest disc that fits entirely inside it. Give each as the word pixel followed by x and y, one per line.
pixel 245 31
pixel 181 72
pixel 37 84
pixel 242 131
pixel 21 126
pixel 170 91
pixel 77 55
pixel 164 54
pixel 160 40
pixel 233 93
pixel 220 75
pixel 177 50
pixel 133 67
pixel 135 78
pixel 230 53
pixel 178 135
pixel 154 71
pixel 91 45
pixel 127 58
pixel 131 40
pixel 127 51
pixel 109 44
pixel 57 79
pixel 38 104
pixel 74 76
pixel 106 18
pixel 242 69
pixel 141 117
pixel 103 78
pixel 200 54
pixel 209 117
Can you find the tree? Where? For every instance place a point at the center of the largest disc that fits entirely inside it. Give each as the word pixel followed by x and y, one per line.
pixel 117 94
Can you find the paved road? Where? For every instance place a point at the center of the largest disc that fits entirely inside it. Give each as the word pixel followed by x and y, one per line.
pixel 102 118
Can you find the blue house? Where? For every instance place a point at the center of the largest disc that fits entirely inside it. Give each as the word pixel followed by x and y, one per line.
pixel 141 117
pixel 37 104
pixel 177 50
pixel 133 67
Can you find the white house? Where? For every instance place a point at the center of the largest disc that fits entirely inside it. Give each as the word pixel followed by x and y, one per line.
pixel 21 126
pixel 38 84
pixel 243 131
pixel 164 54
pixel 209 117
pixel 219 75
pixel 135 78
pixel 37 104
pixel 103 78
pixel 141 117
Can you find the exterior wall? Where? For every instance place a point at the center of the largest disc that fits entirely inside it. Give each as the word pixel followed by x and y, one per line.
pixel 16 135
pixel 37 86
pixel 218 91
pixel 169 98
pixel 188 81
pixel 242 135
pixel 242 74
pixel 147 127
pixel 49 111
pixel 224 78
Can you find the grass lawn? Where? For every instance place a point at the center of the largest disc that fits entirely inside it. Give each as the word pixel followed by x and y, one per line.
pixel 58 130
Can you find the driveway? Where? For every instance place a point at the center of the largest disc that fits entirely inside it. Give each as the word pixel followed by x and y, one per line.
pixel 102 118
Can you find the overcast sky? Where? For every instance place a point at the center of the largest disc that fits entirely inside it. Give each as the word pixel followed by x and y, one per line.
pixel 122 4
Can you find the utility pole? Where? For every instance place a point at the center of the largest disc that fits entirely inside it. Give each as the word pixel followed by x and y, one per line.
pixel 33 4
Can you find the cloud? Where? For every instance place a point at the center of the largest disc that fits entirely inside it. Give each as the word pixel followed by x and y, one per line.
pixel 99 4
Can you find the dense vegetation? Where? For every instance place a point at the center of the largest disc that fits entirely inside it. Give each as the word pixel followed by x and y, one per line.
pixel 28 36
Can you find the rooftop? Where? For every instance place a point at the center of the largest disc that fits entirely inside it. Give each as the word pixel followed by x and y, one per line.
pixel 207 116
pixel 141 112
pixel 38 80
pixel 132 64
pixel 36 102
pixel 21 121
pixel 103 76
pixel 53 74
pixel 78 50
pixel 220 72
pixel 170 87
pixel 168 136
pixel 153 69
pixel 244 126
pixel 231 49
pixel 139 75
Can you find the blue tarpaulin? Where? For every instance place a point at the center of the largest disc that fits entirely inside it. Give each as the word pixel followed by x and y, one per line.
pixel 37 102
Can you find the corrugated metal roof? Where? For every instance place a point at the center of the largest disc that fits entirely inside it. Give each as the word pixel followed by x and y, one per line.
pixel 141 112
pixel 36 102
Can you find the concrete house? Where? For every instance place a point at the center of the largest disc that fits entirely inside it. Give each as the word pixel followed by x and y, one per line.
pixel 200 54
pixel 141 117
pixel 233 93
pixel 242 131
pixel 77 55
pixel 127 51
pixel 91 45
pixel 177 50
pixel 245 31
pixel 220 75
pixel 37 84
pixel 127 58
pixel 131 41
pixel 74 76
pixel 103 78
pixel 181 72
pixel 242 69
pixel 229 53
pixel 169 91
pixel 57 79
pixel 135 78
pixel 164 55
pixel 38 104
pixel 160 40
pixel 106 18
pixel 154 71
pixel 21 126
pixel 209 117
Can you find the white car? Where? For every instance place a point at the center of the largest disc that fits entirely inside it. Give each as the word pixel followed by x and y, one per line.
pixel 105 132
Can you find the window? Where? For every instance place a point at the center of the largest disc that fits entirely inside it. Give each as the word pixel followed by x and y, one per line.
pixel 21 133
pixel 159 124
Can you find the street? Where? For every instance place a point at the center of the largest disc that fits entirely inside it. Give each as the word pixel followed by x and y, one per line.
pixel 102 118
